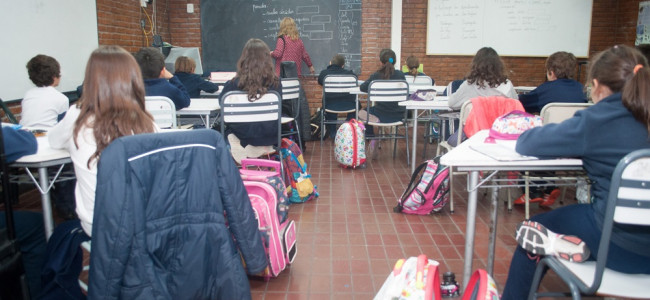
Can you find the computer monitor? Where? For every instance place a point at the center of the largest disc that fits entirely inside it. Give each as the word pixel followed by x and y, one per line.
pixel 175 52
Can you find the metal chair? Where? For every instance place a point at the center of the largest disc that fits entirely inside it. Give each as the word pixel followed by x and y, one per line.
pixel 419 80
pixel 389 91
pixel 337 84
pixel 162 109
pixel 629 205
pixel 236 108
pixel 291 94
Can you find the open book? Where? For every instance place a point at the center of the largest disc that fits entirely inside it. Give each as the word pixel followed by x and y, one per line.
pixel 501 151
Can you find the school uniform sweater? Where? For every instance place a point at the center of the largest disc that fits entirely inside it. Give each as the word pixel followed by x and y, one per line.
pixel 337 101
pixel 560 90
pixel 18 143
pixel 194 84
pixel 172 89
pixel 386 111
pixel 600 135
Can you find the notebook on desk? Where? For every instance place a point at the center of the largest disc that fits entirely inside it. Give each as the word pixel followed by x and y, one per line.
pixel 221 77
pixel 500 152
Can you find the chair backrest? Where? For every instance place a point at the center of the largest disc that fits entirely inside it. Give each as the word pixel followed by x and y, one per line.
pixel 236 108
pixel 388 91
pixel 556 112
pixel 419 80
pixel 162 109
pixel 628 203
pixel 339 83
pixel 465 109
pixel 291 92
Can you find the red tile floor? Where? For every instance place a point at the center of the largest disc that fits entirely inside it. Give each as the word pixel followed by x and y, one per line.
pixel 349 238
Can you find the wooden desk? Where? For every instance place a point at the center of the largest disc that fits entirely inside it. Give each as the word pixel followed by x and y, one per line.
pixel 464 158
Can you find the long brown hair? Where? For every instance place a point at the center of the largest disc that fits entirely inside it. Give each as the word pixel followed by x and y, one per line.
pixel 615 69
pixel 112 103
pixel 387 58
pixel 288 28
pixel 487 69
pixel 255 69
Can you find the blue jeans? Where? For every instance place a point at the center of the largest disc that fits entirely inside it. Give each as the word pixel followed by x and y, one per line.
pixel 578 220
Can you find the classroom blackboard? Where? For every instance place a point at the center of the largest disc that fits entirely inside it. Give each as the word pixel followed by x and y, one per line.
pixel 326 27
pixel 511 27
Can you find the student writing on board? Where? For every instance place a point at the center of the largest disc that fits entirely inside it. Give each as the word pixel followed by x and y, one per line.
pixel 289 47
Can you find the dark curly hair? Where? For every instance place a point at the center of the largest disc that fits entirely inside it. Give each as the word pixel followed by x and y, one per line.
pixel 42 70
pixel 487 69
pixel 151 62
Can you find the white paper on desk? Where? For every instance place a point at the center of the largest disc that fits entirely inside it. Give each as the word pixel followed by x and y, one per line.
pixel 501 151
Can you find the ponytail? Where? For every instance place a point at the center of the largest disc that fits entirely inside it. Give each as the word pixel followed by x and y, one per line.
pixel 387 70
pixel 387 57
pixel 636 95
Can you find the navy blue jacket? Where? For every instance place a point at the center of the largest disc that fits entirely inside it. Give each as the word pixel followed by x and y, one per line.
pixel 18 143
pixel 337 101
pixel 560 90
pixel 172 89
pixel 171 218
pixel 600 135
pixel 258 133
pixel 385 111
pixel 194 84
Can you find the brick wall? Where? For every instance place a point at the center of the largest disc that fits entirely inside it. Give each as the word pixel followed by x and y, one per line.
pixel 613 22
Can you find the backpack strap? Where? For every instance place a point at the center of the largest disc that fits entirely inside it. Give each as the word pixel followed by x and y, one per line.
pixel 413 179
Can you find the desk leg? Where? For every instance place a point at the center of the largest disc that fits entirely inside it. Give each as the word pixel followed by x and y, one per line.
pixel 45 202
pixel 493 232
pixel 415 139
pixel 471 223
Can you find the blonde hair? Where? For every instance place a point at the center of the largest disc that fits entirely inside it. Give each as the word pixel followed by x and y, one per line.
pixel 288 28
pixel 184 64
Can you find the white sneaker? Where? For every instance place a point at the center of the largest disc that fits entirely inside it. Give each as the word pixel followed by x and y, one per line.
pixel 257 151
pixel 536 239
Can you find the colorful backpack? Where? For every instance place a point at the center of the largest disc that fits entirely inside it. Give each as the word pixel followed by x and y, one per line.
pixel 279 238
pixel 413 278
pixel 428 190
pixel 268 171
pixel 350 144
pixel 481 286
pixel 299 186
pixel 511 125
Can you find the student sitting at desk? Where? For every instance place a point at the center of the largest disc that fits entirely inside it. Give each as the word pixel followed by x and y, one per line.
pixel 486 77
pixel 43 106
pixel 413 68
pixel 112 105
pixel 337 101
pixel 559 87
pixel 383 111
pixel 256 77
pixel 184 70
pixel 601 136
pixel 157 80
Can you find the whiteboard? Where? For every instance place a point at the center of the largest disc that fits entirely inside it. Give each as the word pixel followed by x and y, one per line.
pixel 63 29
pixel 511 27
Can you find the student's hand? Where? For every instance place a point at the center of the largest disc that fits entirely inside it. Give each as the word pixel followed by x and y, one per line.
pixel 312 70
pixel 167 74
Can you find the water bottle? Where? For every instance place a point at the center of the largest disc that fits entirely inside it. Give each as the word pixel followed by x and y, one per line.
pixel 449 286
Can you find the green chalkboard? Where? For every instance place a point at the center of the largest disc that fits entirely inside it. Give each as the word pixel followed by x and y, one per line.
pixel 327 27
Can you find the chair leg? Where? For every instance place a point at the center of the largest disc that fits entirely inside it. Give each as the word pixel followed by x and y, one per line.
pixel 451 189
pixel 537 279
pixel 295 122
pixel 322 126
pixel 406 141
pixel 395 141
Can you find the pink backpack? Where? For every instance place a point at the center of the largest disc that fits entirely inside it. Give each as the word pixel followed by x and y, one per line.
pixel 427 192
pixel 412 278
pixel 279 238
